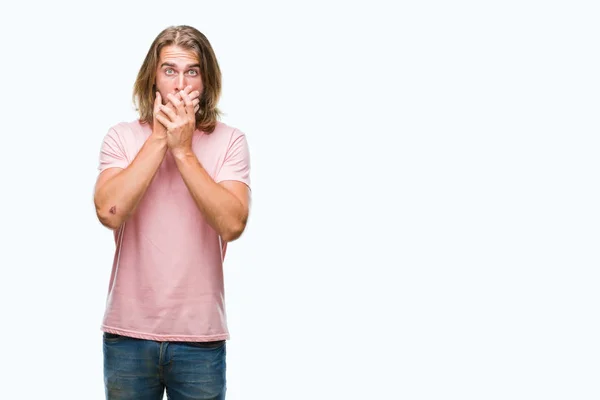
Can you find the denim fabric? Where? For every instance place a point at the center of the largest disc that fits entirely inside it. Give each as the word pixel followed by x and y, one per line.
pixel 142 369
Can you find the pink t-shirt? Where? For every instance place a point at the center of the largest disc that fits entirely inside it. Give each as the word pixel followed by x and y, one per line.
pixel 167 276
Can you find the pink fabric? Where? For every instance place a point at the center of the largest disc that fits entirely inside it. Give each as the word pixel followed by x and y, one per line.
pixel 167 277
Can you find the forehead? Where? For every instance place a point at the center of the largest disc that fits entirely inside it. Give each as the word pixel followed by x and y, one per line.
pixel 177 55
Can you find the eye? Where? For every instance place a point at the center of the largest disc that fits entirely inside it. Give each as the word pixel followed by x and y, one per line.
pixel 193 72
pixel 169 71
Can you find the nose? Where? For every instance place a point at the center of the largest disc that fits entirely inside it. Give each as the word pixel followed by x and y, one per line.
pixel 181 82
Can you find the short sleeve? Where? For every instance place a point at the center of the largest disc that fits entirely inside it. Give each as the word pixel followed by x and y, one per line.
pixel 236 164
pixel 112 152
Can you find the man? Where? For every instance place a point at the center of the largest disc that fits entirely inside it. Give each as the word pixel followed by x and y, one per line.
pixel 174 187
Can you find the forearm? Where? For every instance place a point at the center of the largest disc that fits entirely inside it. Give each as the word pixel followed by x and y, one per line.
pixel 222 210
pixel 117 198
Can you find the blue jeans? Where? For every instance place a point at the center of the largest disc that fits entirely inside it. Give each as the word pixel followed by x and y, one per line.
pixel 142 369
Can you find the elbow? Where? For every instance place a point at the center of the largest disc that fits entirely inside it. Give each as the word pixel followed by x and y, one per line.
pixel 110 222
pixel 107 218
pixel 234 232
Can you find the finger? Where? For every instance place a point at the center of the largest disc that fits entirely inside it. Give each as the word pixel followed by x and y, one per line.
pixel 179 106
pixel 188 90
pixel 169 112
pixel 178 96
pixel 157 102
pixel 196 109
pixel 160 112
pixel 175 99
pixel 189 106
pixel 164 120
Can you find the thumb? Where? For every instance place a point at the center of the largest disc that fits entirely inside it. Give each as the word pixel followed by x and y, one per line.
pixel 157 102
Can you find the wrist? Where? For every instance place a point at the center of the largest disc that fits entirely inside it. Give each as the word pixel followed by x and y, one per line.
pixel 183 153
pixel 158 139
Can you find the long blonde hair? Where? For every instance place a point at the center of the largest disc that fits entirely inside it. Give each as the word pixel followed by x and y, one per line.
pixel 189 38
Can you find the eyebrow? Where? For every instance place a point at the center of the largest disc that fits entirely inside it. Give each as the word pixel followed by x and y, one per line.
pixel 166 64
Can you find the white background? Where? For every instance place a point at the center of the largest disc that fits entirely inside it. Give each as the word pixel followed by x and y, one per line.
pixel 425 216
